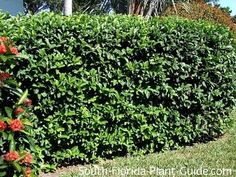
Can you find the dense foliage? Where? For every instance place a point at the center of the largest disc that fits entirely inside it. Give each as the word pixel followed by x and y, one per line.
pixel 16 143
pixel 200 10
pixel 115 85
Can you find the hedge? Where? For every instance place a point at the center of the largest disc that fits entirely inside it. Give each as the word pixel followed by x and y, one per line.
pixel 107 86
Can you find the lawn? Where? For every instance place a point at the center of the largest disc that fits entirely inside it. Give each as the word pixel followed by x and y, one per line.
pixel 216 158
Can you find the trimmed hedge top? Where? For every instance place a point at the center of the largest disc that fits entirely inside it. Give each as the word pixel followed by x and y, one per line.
pixel 113 85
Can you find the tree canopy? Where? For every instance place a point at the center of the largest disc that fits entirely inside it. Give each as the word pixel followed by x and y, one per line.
pixel 138 7
pixel 57 5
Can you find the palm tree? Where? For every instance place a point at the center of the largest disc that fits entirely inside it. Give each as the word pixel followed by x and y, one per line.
pixel 67 7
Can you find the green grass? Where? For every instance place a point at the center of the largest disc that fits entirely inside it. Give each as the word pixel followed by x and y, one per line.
pixel 220 154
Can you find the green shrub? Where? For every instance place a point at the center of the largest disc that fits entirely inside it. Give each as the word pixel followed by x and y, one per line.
pixel 107 86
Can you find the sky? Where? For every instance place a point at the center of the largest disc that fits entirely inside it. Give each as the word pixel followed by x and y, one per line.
pixel 12 6
pixel 229 3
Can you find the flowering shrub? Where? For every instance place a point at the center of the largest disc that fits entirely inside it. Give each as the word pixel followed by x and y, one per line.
pixel 198 9
pixel 16 144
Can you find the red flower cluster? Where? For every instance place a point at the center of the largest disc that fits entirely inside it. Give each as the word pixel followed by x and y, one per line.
pixel 3 39
pixel 19 110
pixel 11 156
pixel 14 50
pixel 16 125
pixel 3 49
pixel 3 125
pixel 28 172
pixel 28 159
pixel 4 76
pixel 28 102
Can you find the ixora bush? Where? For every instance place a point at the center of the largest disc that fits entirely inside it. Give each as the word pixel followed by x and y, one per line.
pixel 16 132
pixel 107 86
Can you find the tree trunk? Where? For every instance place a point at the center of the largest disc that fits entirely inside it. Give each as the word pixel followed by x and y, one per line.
pixel 148 8
pixel 67 7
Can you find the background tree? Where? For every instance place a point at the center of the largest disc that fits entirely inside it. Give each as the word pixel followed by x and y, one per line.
pixel 138 7
pixel 234 18
pixel 141 7
pixel 133 7
pixel 212 1
pixel 91 6
pixel 32 5
pixel 35 6
pixel 148 7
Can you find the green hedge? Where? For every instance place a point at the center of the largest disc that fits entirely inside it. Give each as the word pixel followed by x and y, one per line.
pixel 108 86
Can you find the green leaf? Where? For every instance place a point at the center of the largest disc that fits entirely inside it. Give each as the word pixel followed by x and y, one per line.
pixel 3 167
pixel 24 96
pixel 25 132
pixel 8 112
pixel 12 142
pixel 3 174
pixel 17 166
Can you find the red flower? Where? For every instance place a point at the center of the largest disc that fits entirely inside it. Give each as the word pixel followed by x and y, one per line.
pixel 4 76
pixel 3 49
pixel 28 171
pixel 11 156
pixel 3 39
pixel 19 110
pixel 14 50
pixel 16 125
pixel 28 159
pixel 3 125
pixel 27 102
